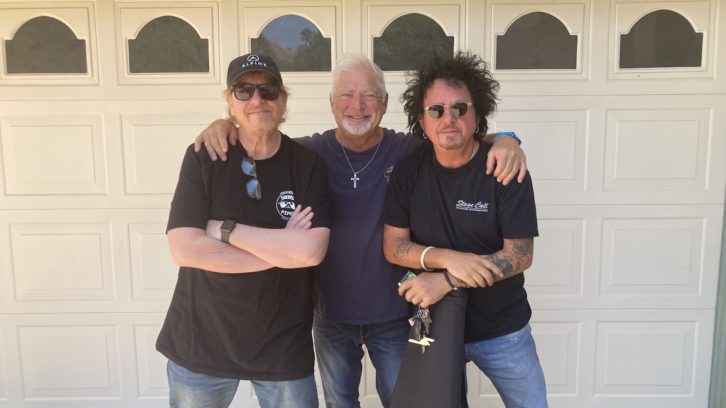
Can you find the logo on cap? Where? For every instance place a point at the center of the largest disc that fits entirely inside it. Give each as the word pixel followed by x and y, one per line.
pixel 253 58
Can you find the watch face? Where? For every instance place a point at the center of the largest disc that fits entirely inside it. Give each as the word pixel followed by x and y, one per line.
pixel 228 225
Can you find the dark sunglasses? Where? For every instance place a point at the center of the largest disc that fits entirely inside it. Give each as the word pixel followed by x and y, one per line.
pixel 436 111
pixel 249 168
pixel 244 92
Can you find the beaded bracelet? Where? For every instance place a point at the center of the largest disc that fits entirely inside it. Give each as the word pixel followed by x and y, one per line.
pixel 448 280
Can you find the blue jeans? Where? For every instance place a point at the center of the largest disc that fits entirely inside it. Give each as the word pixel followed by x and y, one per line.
pixel 512 365
pixel 188 389
pixel 339 349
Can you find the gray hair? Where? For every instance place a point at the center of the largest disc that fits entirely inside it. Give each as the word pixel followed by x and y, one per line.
pixel 350 62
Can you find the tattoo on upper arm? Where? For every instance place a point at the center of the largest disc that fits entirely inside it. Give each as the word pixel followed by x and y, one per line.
pixel 522 247
pixel 402 250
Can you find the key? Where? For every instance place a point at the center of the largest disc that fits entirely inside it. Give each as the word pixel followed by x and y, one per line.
pixel 421 322
pixel 426 320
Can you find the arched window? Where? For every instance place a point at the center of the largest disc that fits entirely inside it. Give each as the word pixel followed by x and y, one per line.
pixel 409 41
pixel 44 45
pixel 661 39
pixel 295 44
pixel 537 41
pixel 168 44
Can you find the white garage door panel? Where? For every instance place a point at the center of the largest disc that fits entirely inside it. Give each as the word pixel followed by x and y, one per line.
pixel 153 272
pixel 70 159
pixel 621 150
pixel 85 261
pixel 3 365
pixel 700 14
pixel 558 141
pixel 679 139
pixel 75 262
pixel 47 352
pixel 626 257
pixel 131 17
pixel 78 16
pixel 613 358
pixel 107 154
pixel 83 360
pixel 154 145
pixel 574 15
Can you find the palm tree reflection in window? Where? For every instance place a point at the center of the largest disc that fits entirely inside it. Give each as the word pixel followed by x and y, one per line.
pixel 409 41
pixel 295 44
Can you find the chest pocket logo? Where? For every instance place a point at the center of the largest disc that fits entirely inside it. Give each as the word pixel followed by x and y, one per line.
pixel 285 204
pixel 387 174
pixel 478 206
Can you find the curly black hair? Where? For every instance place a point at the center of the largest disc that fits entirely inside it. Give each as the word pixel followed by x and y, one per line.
pixel 463 69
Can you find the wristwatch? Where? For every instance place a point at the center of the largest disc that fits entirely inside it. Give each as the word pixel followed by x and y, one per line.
pixel 226 228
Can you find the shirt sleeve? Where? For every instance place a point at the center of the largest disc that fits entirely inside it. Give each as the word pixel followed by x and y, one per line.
pixel 397 205
pixel 317 195
pixel 516 209
pixel 190 205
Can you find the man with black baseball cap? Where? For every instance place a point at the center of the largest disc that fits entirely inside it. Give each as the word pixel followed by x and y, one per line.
pixel 245 238
pixel 252 62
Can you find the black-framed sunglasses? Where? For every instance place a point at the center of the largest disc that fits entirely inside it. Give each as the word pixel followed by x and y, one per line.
pixel 244 92
pixel 249 168
pixel 437 110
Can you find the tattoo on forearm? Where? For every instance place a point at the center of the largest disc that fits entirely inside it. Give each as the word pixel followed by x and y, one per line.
pixel 512 265
pixel 402 250
pixel 505 264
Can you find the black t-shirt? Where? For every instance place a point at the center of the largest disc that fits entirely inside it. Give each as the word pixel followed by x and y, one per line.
pixel 466 210
pixel 253 326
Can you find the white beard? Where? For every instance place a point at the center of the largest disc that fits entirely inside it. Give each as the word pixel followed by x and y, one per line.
pixel 360 130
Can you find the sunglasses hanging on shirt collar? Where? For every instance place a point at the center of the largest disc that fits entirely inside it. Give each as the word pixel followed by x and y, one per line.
pixel 249 168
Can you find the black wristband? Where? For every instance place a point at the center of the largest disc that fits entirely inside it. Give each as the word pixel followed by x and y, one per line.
pixel 448 280
pixel 226 228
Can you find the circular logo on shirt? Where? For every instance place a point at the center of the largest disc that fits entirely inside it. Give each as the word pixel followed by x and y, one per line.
pixel 285 204
pixel 387 173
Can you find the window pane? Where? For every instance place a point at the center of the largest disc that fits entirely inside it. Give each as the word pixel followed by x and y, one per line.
pixel 537 41
pixel 662 38
pixel 409 41
pixel 44 45
pixel 295 44
pixel 168 44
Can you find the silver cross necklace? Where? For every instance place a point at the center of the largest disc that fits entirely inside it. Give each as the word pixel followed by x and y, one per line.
pixel 355 179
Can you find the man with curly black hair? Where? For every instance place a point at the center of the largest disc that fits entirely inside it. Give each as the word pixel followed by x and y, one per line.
pixel 461 229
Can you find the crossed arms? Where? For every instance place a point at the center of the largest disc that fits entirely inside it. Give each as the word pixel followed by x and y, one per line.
pixel 251 249
pixel 466 269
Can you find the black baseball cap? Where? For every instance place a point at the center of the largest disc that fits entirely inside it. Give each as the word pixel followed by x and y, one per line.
pixel 249 63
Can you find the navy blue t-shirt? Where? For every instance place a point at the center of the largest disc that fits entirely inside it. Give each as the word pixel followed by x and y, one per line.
pixel 356 284
pixel 466 210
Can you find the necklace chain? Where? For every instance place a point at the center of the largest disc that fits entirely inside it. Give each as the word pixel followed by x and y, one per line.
pixel 473 152
pixel 355 177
